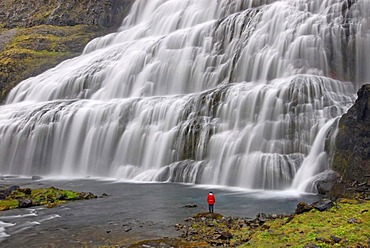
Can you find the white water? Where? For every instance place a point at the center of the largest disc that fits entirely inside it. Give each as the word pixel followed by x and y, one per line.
pixel 231 92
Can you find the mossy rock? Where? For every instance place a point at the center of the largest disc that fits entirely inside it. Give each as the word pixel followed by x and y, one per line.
pixel 50 197
pixel 208 215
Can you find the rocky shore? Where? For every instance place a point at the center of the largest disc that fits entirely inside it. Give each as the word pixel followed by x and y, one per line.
pixel 343 223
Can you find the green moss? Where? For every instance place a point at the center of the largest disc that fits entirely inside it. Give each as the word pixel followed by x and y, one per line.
pixel 33 50
pixel 8 204
pixel 348 221
pixel 50 197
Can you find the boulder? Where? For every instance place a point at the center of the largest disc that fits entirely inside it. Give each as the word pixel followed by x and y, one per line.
pixel 24 203
pixel 325 181
pixel 323 205
pixel 191 205
pixel 302 207
pixel 36 178
pixel 26 191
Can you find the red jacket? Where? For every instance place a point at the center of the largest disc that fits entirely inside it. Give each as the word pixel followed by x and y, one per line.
pixel 211 198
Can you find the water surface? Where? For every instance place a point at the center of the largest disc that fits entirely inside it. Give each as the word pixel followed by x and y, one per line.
pixel 132 211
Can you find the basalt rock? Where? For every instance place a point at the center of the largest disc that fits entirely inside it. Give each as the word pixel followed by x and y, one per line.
pixel 24 203
pixel 302 207
pixel 352 149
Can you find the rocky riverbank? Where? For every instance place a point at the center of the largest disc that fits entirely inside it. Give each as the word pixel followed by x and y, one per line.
pixel 344 223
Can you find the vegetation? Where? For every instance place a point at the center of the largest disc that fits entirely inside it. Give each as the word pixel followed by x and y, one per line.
pixel 32 50
pixel 25 197
pixel 347 224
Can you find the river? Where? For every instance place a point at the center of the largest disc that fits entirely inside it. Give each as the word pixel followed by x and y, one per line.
pixel 131 211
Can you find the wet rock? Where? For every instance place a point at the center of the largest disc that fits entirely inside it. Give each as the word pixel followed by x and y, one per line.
pixel 261 217
pixel 26 191
pixel 61 197
pixel 12 188
pixel 325 181
pixel 87 195
pixel 24 203
pixel 302 207
pixel 36 178
pixel 191 205
pixel 323 205
pixel 352 147
pixel 128 229
pixel 104 195
pixel 3 195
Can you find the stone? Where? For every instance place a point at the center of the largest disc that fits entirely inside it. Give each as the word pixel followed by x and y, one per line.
pixel 323 205
pixel 302 207
pixel 26 191
pixel 13 188
pixel 335 239
pixel 325 181
pixel 24 203
pixel 311 245
pixel 191 205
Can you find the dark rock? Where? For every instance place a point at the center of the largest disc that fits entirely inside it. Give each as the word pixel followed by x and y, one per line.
pixel 87 195
pixel 191 205
pixel 302 207
pixel 3 195
pixel 24 203
pixel 352 147
pixel 61 197
pixel 225 235
pixel 335 239
pixel 104 195
pixel 128 229
pixel 36 178
pixel 26 191
pixel 324 240
pixel 12 188
pixel 261 217
pixel 311 245
pixel 325 181
pixel 323 205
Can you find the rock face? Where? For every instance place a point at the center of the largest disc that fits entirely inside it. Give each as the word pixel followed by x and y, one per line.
pixel 352 154
pixel 36 35
pixel 28 13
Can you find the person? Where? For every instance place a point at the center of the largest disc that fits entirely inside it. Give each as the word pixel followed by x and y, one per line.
pixel 211 201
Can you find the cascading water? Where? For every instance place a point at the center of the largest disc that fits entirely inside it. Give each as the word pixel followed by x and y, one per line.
pixel 240 93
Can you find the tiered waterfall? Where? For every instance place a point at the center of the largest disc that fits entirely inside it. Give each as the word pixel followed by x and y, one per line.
pixel 243 93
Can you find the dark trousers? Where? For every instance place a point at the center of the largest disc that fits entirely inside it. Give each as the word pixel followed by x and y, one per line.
pixel 210 208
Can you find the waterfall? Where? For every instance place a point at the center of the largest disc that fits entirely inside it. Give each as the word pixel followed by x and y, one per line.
pixel 241 93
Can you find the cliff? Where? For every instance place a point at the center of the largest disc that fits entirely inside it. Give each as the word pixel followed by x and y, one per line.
pixel 352 154
pixel 37 35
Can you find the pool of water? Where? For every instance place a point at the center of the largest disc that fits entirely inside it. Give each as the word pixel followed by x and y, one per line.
pixel 130 212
